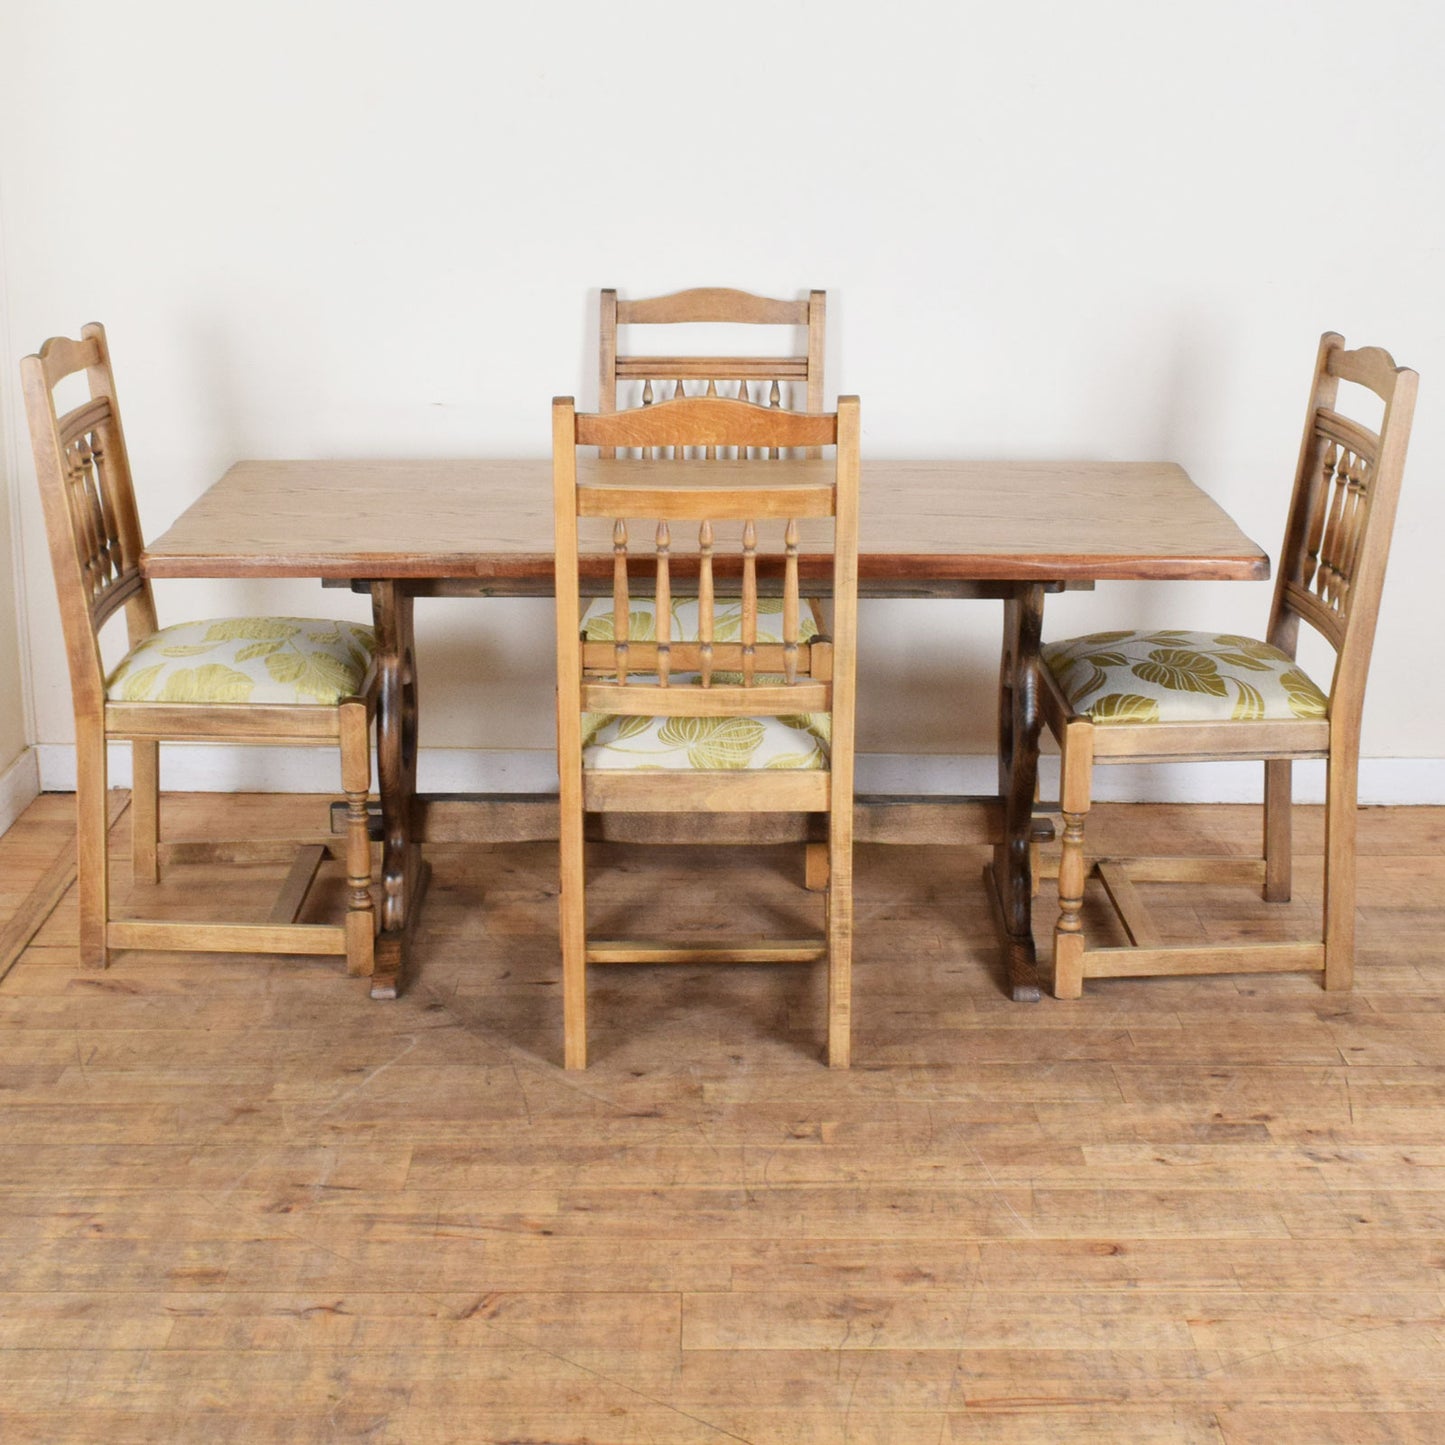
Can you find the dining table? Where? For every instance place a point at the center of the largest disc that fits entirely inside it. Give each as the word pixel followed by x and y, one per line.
pixel 400 530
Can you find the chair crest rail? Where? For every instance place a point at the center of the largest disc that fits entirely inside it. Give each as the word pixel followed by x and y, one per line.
pixel 712 421
pixel 708 304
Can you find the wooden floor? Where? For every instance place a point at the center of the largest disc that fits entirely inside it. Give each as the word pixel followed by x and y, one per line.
pixel 239 1201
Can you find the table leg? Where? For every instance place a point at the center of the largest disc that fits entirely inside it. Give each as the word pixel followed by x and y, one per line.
pixel 1018 769
pixel 403 873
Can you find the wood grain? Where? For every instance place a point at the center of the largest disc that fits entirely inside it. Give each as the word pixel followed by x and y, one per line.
pixel 93 530
pixel 1332 569
pixel 920 522
pixel 619 371
pixel 243 1203
pixel 22 925
pixel 639 678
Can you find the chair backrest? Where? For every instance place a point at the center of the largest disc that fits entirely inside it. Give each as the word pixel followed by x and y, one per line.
pixel 758 378
pixel 1337 539
pixel 745 521
pixel 89 504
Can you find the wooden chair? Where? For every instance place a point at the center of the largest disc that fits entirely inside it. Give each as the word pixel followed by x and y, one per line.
pixel 1162 695
pixel 768 374
pixel 721 722
pixel 246 680
pixel 713 305
pixel 794 382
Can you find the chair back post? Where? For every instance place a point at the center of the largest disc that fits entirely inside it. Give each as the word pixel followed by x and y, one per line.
pixel 567 588
pixel 88 502
pixel 1283 629
pixel 607 354
pixel 845 602
pixel 1337 540
pixel 817 311
pixel 1352 666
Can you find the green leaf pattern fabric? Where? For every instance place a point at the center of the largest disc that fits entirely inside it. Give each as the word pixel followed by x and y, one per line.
pixel 609 742
pixel 614 743
pixel 247 659
pixel 1170 675
pixel 597 620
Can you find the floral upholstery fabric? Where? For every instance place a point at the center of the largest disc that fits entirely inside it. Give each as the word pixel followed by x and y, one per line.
pixel 1177 676
pixel 247 660
pixel 597 625
pixel 610 742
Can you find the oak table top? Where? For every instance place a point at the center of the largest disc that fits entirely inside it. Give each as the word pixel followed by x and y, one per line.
pixel 922 521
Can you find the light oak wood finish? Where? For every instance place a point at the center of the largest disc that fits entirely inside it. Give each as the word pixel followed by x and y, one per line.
pixel 639 678
pixel 794 381
pixel 760 379
pixel 926 528
pixel 877 818
pixel 95 550
pixel 40 902
pixel 1177 1211
pixel 1331 571
pixel 1010 530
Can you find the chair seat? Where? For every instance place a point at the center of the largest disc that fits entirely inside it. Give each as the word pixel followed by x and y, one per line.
pixel 1177 676
pixel 597 621
pixel 793 743
pixel 247 660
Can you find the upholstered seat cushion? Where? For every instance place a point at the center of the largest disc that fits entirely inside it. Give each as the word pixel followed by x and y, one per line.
pixel 247 660
pixel 610 742
pixel 798 742
pixel 597 623
pixel 1177 676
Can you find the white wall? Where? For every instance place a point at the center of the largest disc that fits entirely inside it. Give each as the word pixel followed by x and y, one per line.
pixel 19 777
pixel 12 689
pixel 1046 229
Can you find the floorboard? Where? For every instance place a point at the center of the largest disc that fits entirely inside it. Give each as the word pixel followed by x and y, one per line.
pixel 240 1201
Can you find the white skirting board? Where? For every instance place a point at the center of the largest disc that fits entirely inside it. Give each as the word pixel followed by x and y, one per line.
pixel 205 767
pixel 20 786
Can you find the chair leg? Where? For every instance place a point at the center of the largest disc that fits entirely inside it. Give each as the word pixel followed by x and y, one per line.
pixel 838 907
pixel 145 815
pixel 1278 846
pixel 91 843
pixel 573 903
pixel 1341 786
pixel 1069 930
pixel 1075 788
pixel 356 783
pixel 815 867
